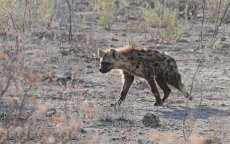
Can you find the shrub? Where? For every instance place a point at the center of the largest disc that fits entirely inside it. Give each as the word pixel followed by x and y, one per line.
pixel 160 16
pixel 170 34
pixel 165 19
pixel 46 10
pixel 24 14
pixel 106 11
pixel 217 8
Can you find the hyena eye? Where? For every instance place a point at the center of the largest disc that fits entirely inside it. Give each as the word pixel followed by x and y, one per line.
pixel 105 63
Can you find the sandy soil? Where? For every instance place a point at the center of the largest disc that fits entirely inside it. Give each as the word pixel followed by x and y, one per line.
pixel 86 108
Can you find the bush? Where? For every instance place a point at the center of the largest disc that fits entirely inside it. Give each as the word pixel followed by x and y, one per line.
pixel 106 11
pixel 170 34
pixel 25 14
pixel 160 16
pixel 217 8
pixel 165 19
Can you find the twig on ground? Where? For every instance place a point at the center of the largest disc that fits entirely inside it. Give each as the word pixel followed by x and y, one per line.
pixel 199 66
pixel 70 19
pixel 214 38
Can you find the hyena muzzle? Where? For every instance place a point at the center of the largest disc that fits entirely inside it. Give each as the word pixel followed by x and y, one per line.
pixel 153 66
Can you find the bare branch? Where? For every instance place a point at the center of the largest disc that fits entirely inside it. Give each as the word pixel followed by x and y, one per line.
pixel 51 18
pixel 199 66
pixel 24 16
pixel 70 19
pixel 193 79
pixel 4 90
pixel 218 25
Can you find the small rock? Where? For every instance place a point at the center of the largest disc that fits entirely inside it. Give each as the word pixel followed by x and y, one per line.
pixel 68 74
pixel 210 30
pixel 115 139
pixel 81 81
pixel 89 66
pixel 223 38
pixel 183 41
pixel 36 37
pixel 2 33
pixel 214 140
pixel 74 83
pixel 83 131
pixel 216 58
pixel 63 81
pixel 143 141
pixel 150 120
pixel 114 39
pixel 176 128
pixel 132 18
pixel 28 107
pixel 223 105
pixel 49 36
pixel 185 34
pixel 50 112
pixel 123 34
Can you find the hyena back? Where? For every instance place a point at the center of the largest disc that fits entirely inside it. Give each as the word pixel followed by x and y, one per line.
pixel 145 63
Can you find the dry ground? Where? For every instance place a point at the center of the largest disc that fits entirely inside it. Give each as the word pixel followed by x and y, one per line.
pixel 83 113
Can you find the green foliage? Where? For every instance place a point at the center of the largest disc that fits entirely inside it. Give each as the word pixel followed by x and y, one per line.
pixel 22 14
pixel 106 11
pixel 165 19
pixel 160 16
pixel 216 8
pixel 215 3
pixel 3 13
pixel 170 34
pixel 46 10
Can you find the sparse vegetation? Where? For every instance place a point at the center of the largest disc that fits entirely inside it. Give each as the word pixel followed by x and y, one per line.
pixel 170 34
pixel 165 20
pixel 52 92
pixel 216 8
pixel 25 14
pixel 46 10
pixel 161 16
pixel 106 11
pixel 214 4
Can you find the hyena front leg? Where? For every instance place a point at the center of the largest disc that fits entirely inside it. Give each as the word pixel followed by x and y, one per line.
pixel 155 91
pixel 128 80
pixel 163 85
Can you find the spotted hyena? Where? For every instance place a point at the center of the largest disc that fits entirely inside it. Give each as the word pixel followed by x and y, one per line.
pixel 145 63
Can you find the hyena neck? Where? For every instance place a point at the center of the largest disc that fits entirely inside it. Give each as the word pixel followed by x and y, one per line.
pixel 123 63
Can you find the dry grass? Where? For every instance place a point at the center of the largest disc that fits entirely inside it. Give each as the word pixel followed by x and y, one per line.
pixel 106 11
pixel 165 20
pixel 33 111
pixel 216 9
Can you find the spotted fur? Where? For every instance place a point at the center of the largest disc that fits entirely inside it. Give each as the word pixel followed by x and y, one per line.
pixel 149 64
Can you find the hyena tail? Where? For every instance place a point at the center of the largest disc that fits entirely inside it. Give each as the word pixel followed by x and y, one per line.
pixel 184 92
pixel 175 81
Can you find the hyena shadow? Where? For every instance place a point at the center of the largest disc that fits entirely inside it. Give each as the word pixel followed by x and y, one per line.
pixel 202 112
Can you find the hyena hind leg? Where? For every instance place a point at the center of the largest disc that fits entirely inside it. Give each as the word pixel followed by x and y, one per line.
pixel 155 91
pixel 163 85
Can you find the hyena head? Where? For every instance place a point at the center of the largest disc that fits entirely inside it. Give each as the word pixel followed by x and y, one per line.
pixel 108 59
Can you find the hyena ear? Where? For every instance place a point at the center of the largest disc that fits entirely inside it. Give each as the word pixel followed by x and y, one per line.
pixel 101 53
pixel 114 53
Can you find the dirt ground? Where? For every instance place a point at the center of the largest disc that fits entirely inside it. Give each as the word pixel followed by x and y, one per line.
pixel 82 113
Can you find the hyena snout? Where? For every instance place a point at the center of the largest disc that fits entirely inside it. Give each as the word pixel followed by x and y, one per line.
pixel 105 67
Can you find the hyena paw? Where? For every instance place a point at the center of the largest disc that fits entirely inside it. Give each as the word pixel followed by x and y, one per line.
pixel 113 104
pixel 158 103
pixel 190 98
pixel 116 105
